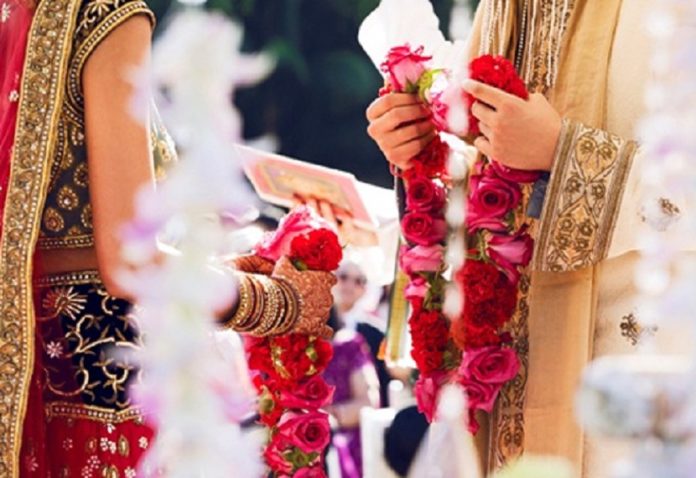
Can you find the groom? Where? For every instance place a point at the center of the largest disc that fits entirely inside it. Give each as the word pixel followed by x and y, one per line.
pixel 585 63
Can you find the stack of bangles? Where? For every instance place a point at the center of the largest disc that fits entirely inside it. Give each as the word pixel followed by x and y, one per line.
pixel 267 306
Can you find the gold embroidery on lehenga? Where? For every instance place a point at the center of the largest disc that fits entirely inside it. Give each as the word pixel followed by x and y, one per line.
pixel 582 199
pixel 39 105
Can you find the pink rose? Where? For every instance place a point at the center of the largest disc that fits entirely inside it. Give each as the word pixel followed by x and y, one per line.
pixel 427 389
pixel 490 200
pixel 424 195
pixel 273 454
pixel 492 365
pixel 310 432
pixel 511 252
pixel 301 220
pixel 440 111
pixel 421 259
pixel 312 394
pixel 422 229
pixel 480 396
pixel 313 472
pixel 514 175
pixel 416 289
pixel 404 68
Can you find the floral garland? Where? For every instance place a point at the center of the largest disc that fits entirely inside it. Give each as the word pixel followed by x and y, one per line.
pixel 473 350
pixel 287 369
pixel 424 228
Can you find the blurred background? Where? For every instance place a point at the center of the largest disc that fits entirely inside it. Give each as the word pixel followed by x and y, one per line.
pixel 315 100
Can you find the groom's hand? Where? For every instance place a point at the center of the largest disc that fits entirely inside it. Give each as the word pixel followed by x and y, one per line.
pixel 520 134
pixel 400 125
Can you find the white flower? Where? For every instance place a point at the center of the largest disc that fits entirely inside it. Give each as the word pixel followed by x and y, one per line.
pixel 129 472
pixel 54 349
pixel 14 96
pixel 143 443
pixel 110 427
pixel 5 12
pixel 67 444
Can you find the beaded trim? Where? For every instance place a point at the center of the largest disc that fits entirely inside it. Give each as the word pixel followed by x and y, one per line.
pixel 67 279
pixel 97 414
pixel 77 242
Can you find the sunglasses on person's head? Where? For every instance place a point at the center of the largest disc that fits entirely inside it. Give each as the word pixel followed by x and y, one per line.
pixel 357 280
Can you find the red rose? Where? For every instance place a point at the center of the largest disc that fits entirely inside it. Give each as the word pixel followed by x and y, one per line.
pixel 311 394
pixel 310 432
pixel 511 252
pixel 424 195
pixel 480 396
pixel 404 68
pixel 490 200
pixel 427 389
pixel 492 365
pixel 273 454
pixel 422 229
pixel 496 71
pixel 317 250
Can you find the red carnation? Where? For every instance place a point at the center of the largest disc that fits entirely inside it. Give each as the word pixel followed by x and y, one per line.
pixel 496 71
pixel 318 250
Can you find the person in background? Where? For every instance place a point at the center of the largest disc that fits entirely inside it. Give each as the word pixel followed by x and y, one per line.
pixel 352 372
pixel 403 438
pixel 348 294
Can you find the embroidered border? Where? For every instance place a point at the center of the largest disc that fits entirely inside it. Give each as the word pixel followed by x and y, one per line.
pixel 89 412
pixel 43 86
pixel 70 278
pixel 507 430
pixel 583 198
pixel 92 38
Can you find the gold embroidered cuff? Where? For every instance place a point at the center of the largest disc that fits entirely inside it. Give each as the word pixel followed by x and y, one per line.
pixel 582 199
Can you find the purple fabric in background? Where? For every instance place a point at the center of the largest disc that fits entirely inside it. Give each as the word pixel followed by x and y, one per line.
pixel 350 354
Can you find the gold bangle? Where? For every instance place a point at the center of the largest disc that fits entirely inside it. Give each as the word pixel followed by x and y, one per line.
pixel 244 305
pixel 256 314
pixel 292 313
pixel 273 297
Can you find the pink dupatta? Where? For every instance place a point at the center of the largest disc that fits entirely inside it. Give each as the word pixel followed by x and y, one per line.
pixel 15 21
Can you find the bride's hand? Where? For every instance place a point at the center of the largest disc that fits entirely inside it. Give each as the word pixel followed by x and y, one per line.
pixel 314 291
pixel 252 264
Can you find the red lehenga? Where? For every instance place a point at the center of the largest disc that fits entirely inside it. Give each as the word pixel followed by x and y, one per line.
pixel 64 407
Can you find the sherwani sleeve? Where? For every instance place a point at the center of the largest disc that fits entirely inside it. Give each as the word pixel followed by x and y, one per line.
pixel 592 193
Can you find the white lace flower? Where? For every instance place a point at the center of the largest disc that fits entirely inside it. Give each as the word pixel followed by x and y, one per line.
pixel 143 443
pixel 14 96
pixel 5 12
pixel 68 444
pixel 129 472
pixel 54 350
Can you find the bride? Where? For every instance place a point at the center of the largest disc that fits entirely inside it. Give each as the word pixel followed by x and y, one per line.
pixel 71 162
